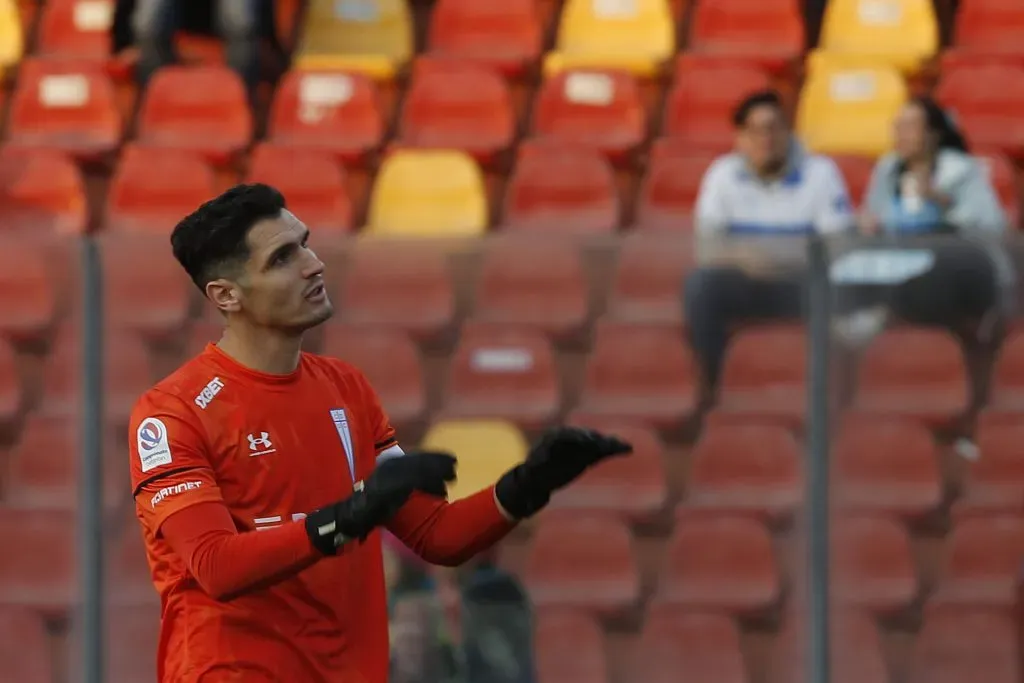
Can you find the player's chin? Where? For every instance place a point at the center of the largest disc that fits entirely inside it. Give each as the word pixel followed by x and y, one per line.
pixel 317 313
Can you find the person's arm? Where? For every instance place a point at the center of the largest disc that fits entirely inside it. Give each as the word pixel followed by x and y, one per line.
pixel 974 205
pixel 878 196
pixel 712 215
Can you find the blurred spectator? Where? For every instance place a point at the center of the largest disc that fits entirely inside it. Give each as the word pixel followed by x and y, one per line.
pixel 754 205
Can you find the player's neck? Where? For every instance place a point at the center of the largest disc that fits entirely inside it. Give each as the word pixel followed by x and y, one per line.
pixel 262 350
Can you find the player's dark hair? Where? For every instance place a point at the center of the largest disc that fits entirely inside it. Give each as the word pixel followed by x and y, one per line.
pixel 938 122
pixel 212 238
pixel 761 98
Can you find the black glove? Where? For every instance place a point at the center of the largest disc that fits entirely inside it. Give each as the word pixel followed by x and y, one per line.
pixel 379 498
pixel 560 456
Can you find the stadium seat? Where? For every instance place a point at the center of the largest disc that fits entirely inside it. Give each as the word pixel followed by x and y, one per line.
pixel 1007 391
pixel 503 35
pixel 391 362
pixel 633 36
pixel 374 37
pixel 457 105
pixel 504 372
pixel 75 29
pixel 428 193
pixel 11 395
pixel 601 110
pixel 703 96
pixel 648 279
pixel 535 283
pixel 634 488
pixel 959 645
pixel 719 563
pixel 65 106
pixel 200 109
pixel 128 578
pixel 995 480
pixel 768 33
pixel 153 188
pixel 582 562
pixel 1002 175
pixel 745 468
pixel 561 189
pixel 856 172
pixel 313 183
pixel 989 30
pixel 39 567
pixel 689 646
pixel 133 634
pixel 847 109
pixel 764 375
pixel 856 650
pixel 915 373
pixel 640 372
pixel 986 100
pixel 981 562
pixel 588 663
pixel 28 292
pixel 872 567
pixel 333 111
pixel 11 38
pixel 886 466
pixel 486 449
pixel 41 191
pixel 414 292
pixel 25 646
pixel 44 465
pixel 902 34
pixel 669 189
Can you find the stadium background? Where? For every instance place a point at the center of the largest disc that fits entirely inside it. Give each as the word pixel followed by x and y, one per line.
pixel 533 275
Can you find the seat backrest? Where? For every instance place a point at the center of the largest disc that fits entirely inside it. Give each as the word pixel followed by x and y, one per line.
pixel 736 25
pixel 313 182
pixel 506 34
pixel 617 29
pixel 989 27
pixel 669 189
pixel 76 29
pixel 595 108
pixel 153 188
pixel 41 190
pixel 485 448
pixel 373 36
pixel 56 98
pixel 880 27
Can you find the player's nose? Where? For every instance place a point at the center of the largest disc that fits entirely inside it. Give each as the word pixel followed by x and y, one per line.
pixel 314 266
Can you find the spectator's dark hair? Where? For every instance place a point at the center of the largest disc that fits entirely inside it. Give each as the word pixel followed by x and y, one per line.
pixel 211 241
pixel 761 98
pixel 938 122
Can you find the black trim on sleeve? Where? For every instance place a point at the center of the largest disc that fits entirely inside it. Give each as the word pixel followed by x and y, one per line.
pixel 387 443
pixel 155 477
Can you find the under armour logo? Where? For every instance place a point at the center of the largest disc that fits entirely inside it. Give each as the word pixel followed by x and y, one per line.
pixel 260 445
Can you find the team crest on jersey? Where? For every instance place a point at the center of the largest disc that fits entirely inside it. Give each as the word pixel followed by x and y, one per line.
pixel 340 420
pixel 154 447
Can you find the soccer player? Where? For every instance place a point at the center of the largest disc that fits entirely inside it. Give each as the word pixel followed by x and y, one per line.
pixel 262 474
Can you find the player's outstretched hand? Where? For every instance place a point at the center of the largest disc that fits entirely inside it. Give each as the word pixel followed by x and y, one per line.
pixel 559 457
pixel 380 497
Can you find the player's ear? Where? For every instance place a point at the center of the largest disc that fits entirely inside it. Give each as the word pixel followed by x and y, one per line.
pixel 225 295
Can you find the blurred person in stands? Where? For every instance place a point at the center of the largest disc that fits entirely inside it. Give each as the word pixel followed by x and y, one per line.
pixel 754 207
pixel 263 474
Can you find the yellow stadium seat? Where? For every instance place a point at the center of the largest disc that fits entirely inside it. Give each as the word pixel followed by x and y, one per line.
pixel 428 193
pixel 374 37
pixel 485 449
pixel 633 35
pixel 849 109
pixel 899 33
pixel 11 44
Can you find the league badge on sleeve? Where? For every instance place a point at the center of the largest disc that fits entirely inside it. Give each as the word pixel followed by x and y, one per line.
pixel 154 448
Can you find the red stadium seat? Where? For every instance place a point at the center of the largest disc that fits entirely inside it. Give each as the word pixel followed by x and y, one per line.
pixel 533 283
pixel 332 111
pixel 764 375
pixel 856 171
pixel 457 105
pixel 28 293
pixel 40 191
pixel 601 110
pixel 702 98
pixel 145 288
pixel 25 647
pixel 856 650
pixel 396 284
pixel 872 567
pixel 677 645
pixel 69 29
pixel 554 628
pixel 389 360
pixel 583 562
pixel 1007 393
pixel 668 192
pixel 995 480
pixel 503 372
pixel 201 109
pixel 505 35
pixel 561 190
pixel 887 466
pixel 957 645
pixel 11 393
pixel 132 637
pixel 743 469
pixel 721 564
pixel 648 279
pixel 312 182
pixel 990 30
pixel 65 106
pixel 639 372
pixel 39 567
pixel 770 33
pixel 1002 175
pixel 915 373
pixel 986 100
pixel 981 563
pixel 633 487
pixel 152 189
pixel 128 578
